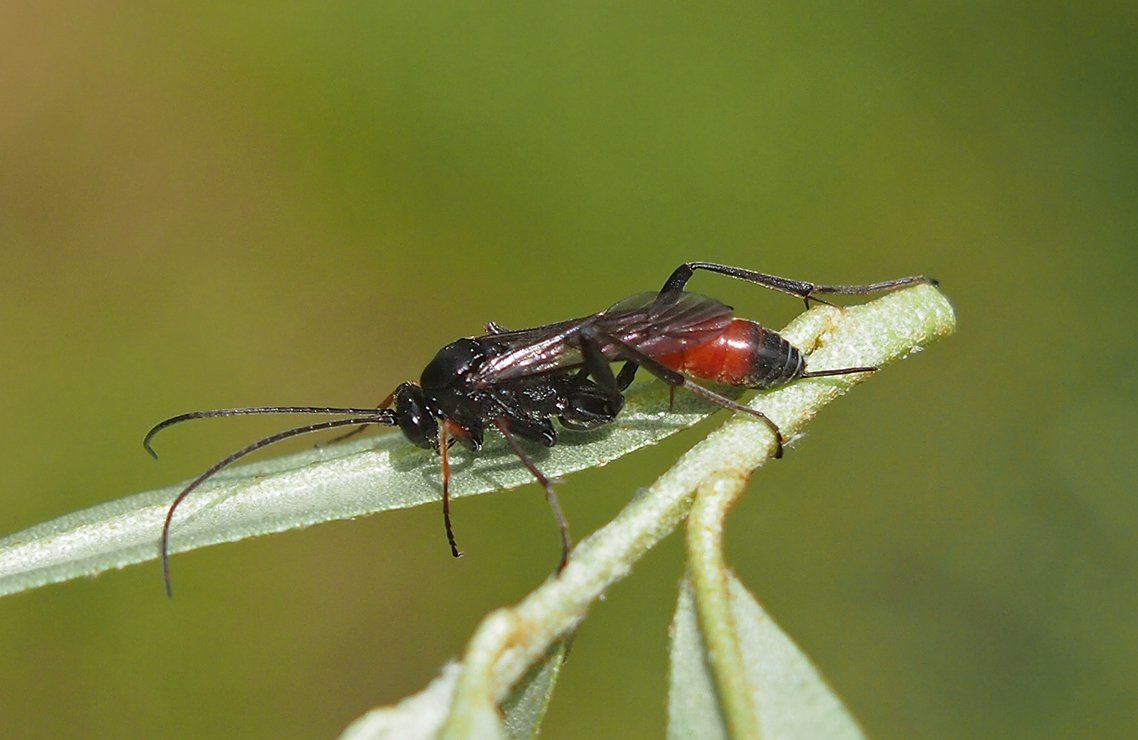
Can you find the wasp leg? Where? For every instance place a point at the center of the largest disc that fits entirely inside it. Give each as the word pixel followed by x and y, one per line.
pixel 534 428
pixel 444 448
pixel 626 375
pixel 596 401
pixel 505 424
pixel 589 406
pixel 679 380
pixel 805 290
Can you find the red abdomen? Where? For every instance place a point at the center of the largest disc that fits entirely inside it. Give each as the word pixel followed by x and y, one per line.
pixel 745 354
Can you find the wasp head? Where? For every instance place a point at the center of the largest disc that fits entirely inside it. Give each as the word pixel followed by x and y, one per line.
pixel 416 420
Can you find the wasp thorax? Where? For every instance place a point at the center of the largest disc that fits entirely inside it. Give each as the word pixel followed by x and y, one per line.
pixel 451 363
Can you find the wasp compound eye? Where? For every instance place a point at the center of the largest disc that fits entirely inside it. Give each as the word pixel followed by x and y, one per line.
pixel 416 421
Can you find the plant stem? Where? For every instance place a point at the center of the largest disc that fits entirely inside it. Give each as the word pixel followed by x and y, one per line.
pixel 707 570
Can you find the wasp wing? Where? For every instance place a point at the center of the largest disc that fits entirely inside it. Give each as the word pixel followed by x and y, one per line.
pixel 651 323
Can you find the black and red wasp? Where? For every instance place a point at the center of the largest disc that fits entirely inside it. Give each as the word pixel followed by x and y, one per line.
pixel 519 381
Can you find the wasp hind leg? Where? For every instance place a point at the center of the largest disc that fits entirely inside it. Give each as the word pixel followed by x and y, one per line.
pixel 509 426
pixel 596 396
pixel 805 290
pixel 679 380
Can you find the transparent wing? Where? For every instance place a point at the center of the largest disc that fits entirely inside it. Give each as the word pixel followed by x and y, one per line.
pixel 653 324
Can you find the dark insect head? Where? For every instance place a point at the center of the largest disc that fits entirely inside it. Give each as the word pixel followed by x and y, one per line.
pixel 416 421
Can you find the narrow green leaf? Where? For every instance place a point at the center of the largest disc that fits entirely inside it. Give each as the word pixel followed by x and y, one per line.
pixel 385 472
pixel 421 716
pixel 341 481
pixel 418 717
pixel 525 708
pixel 709 576
pixel 791 699
pixel 693 709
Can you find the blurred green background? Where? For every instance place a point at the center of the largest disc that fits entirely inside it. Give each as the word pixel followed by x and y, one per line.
pixel 218 204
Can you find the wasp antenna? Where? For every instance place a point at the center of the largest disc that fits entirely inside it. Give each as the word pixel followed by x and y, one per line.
pixel 249 411
pixel 384 417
